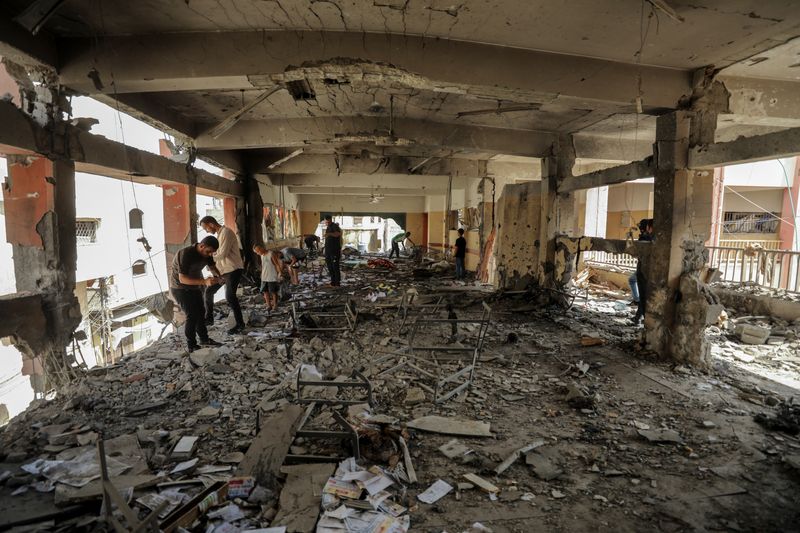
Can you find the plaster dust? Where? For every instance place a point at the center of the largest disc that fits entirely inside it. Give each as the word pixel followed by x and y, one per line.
pixel 537 380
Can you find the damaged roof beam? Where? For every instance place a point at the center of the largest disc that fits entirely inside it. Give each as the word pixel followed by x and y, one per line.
pixel 785 143
pixel 609 176
pixel 95 154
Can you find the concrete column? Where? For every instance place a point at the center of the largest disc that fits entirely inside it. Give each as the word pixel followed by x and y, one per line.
pixel 255 216
pixel 39 199
pixel 788 231
pixel 718 196
pixel 548 224
pixel 677 302
pixel 180 213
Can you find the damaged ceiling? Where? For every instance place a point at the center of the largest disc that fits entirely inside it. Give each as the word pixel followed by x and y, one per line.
pixel 250 81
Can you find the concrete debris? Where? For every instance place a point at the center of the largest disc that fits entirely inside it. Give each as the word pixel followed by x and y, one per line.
pixel 454 448
pixel 661 435
pixel 511 459
pixel 542 466
pixel 751 334
pixel 204 356
pixel 588 419
pixel 451 426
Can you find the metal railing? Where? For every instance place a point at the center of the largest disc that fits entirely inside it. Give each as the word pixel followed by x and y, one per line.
pixel 776 269
pixel 744 243
pixel 608 258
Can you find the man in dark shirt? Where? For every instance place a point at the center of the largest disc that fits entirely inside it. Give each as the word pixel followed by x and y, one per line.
pixel 311 242
pixel 186 282
pixel 645 234
pixel 461 253
pixel 333 250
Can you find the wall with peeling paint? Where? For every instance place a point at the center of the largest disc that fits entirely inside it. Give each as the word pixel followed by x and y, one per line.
pixel 518 215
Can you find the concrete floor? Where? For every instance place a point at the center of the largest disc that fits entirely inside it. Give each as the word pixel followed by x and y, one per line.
pixel 727 473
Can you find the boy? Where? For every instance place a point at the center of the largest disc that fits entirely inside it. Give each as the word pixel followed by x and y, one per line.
pixel 271 267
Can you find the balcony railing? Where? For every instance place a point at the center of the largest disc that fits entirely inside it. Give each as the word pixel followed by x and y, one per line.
pixel 607 258
pixel 776 269
pixel 736 243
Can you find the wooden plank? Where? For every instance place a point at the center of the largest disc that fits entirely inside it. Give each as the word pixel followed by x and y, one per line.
pixel 265 456
pixel 301 496
pixel 481 483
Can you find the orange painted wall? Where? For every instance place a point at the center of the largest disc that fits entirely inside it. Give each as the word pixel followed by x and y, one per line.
pixel 436 230
pixel 415 223
pixel 27 197
pixel 309 220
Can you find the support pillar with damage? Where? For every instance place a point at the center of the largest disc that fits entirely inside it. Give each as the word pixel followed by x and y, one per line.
pixel 679 305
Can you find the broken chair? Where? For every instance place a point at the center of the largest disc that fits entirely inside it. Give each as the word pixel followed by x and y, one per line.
pixel 346 431
pixel 342 317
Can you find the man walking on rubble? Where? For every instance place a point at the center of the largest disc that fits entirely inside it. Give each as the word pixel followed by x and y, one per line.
pixel 333 250
pixel 397 240
pixel 645 234
pixel 461 253
pixel 229 262
pixel 186 282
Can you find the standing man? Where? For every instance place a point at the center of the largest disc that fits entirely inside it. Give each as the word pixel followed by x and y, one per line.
pixel 461 253
pixel 333 250
pixel 645 234
pixel 397 240
pixel 229 262
pixel 185 284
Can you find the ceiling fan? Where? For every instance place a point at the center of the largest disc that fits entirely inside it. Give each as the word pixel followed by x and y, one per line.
pixel 374 197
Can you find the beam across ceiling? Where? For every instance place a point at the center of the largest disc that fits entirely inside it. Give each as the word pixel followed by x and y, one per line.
pixel 95 154
pixel 609 176
pixel 775 145
pixel 301 132
pixel 17 44
pixel 242 60
pixel 330 182
pixel 384 165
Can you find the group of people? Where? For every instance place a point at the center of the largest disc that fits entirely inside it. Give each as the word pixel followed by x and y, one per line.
pixel 220 253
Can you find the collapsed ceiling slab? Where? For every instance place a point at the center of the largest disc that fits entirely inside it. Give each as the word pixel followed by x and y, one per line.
pixel 375 80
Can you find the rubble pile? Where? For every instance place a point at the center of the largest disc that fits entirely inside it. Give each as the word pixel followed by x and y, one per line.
pixel 562 427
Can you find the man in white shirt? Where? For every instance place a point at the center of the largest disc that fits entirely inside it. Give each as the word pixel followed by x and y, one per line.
pixel 228 259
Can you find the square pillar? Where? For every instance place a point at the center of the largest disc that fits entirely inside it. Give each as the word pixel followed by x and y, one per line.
pixel 677 302
pixel 39 199
pixel 548 223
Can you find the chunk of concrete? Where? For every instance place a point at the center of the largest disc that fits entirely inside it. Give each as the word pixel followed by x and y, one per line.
pixel 203 356
pixel 750 334
pixel 451 426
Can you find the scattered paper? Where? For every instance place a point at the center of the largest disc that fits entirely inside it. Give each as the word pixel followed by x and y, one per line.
pixel 184 466
pixel 435 492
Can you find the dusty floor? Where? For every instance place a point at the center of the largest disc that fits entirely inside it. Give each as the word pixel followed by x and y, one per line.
pixel 594 470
